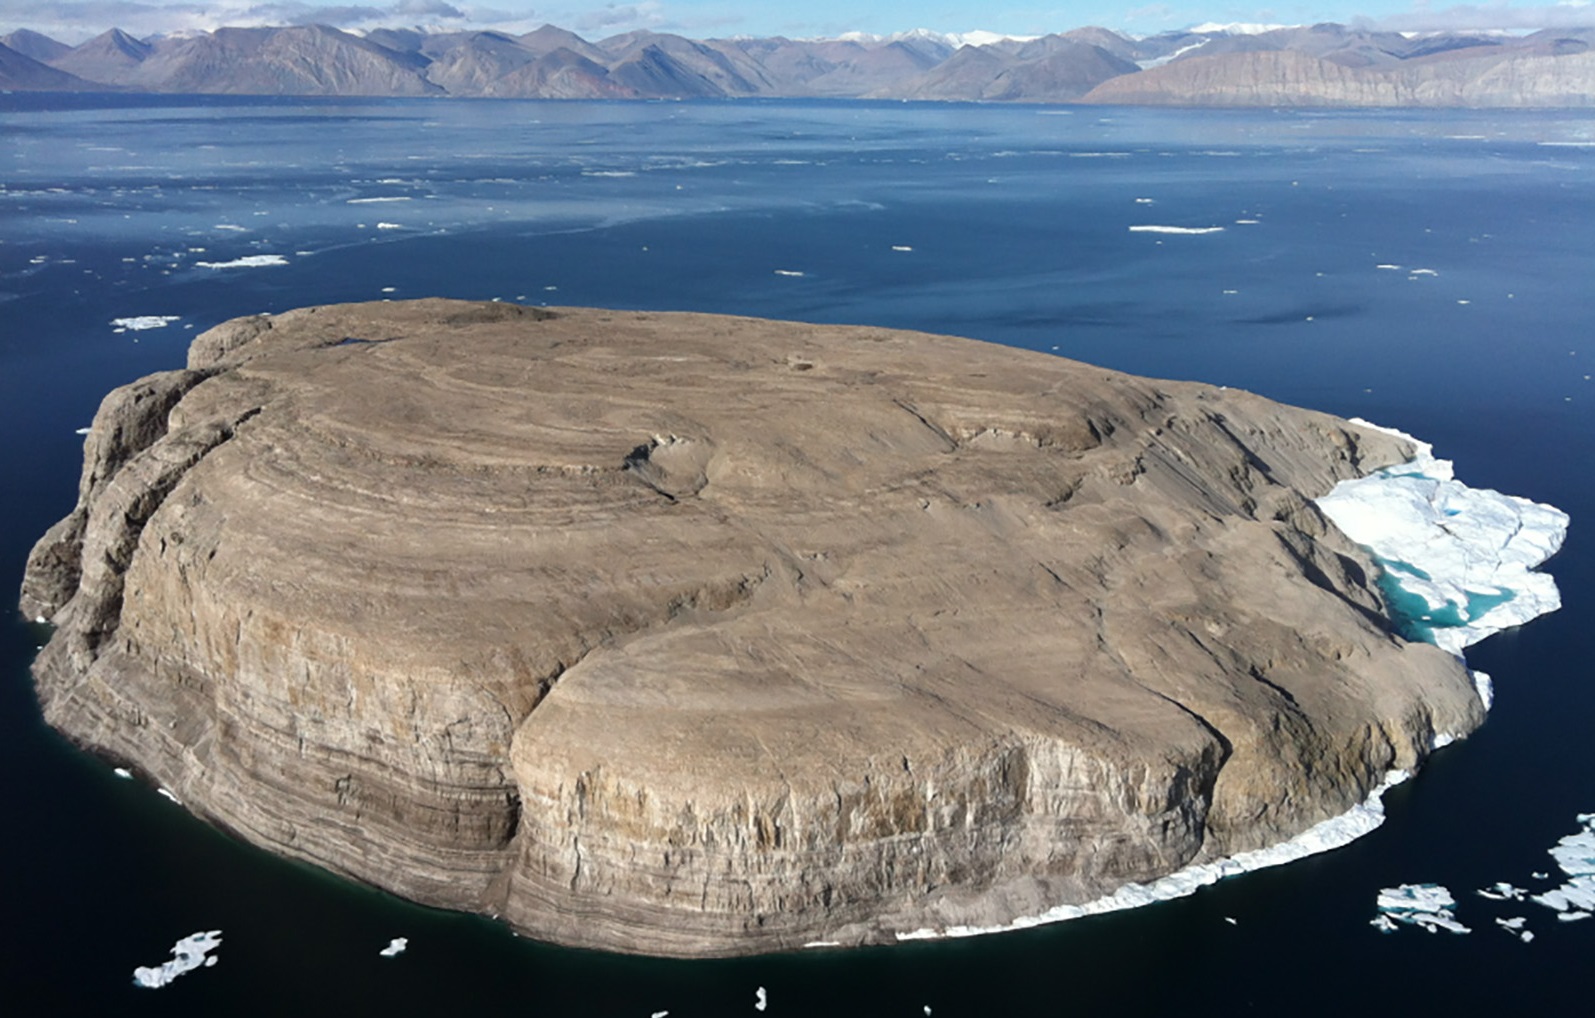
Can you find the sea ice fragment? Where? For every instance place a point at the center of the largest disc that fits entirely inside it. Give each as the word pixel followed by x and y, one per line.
pixel 246 262
pixel 187 954
pixel 139 322
pixel 1185 230
pixel 1427 906
pixel 1575 855
pixel 1515 926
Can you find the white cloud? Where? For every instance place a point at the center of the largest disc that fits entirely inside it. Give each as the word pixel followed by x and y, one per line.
pixel 614 18
pixel 73 21
pixel 1488 17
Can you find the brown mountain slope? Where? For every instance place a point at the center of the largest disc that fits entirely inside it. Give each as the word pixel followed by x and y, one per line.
pixel 1285 78
pixel 22 73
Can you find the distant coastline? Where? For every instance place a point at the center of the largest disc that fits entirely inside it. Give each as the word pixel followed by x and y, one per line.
pixel 1318 65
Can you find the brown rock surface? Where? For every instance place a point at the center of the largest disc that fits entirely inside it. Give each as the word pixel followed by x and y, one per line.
pixel 696 635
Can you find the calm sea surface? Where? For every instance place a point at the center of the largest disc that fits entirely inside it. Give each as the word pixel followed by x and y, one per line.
pixel 1010 224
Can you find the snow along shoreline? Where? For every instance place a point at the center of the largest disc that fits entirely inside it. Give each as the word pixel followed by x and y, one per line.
pixel 1465 553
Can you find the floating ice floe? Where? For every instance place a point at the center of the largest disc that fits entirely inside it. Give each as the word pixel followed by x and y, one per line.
pixel 1185 230
pixel 1502 891
pixel 1388 267
pixel 1321 837
pixel 378 200
pixel 390 226
pixel 190 953
pixel 1145 201
pixel 1457 561
pixel 762 999
pixel 246 262
pixel 167 793
pixel 140 322
pixel 82 431
pixel 901 247
pixel 1422 272
pixel 1515 926
pixel 1247 222
pixel 1575 855
pixel 787 272
pixel 122 772
pixel 395 947
pixel 1427 906
pixel 660 1014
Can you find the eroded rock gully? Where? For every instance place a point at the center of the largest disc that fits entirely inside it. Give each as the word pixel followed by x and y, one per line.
pixel 699 635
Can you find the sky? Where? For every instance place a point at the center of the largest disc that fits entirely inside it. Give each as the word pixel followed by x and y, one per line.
pixel 73 21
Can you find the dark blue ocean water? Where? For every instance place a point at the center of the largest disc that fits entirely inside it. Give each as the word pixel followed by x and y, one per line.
pixel 1017 224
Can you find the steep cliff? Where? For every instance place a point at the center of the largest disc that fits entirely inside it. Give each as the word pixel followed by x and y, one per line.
pixel 697 635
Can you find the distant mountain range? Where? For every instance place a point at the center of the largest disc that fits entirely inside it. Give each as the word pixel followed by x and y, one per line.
pixel 1320 65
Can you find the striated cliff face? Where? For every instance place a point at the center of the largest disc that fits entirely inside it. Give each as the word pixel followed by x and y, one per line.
pixel 695 635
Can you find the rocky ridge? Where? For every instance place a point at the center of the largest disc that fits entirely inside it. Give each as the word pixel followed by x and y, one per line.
pixel 696 635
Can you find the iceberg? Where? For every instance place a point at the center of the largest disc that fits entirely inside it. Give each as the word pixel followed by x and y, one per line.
pixel 395 947
pixel 1457 562
pixel 190 953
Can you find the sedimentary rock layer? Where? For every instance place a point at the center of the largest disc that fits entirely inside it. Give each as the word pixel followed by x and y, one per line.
pixel 697 635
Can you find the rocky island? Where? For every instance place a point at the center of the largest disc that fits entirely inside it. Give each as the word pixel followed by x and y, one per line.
pixel 696 635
